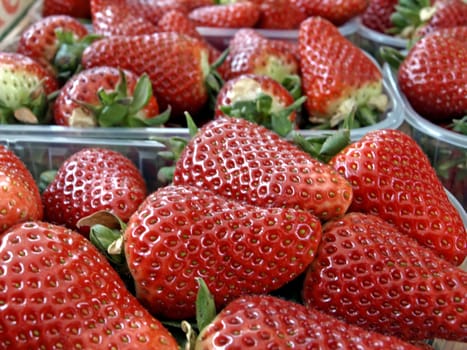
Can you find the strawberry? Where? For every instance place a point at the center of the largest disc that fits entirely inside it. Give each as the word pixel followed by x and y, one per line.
pixel 180 233
pixel 370 274
pixel 21 200
pixel 24 89
pixel 59 292
pixel 377 15
pixel 154 10
pixel 279 14
pixel 244 161
pixel 242 14
pixel 336 11
pixel 260 99
pixel 92 180
pixel 56 42
pixel 72 8
pixel 176 64
pixel 393 178
pixel 105 96
pixel 338 78
pixel 268 322
pixel 432 77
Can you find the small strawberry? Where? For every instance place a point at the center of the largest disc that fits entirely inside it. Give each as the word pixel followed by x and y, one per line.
pixel 393 179
pixel 25 87
pixel 176 64
pixel 244 161
pixel 369 274
pixel 336 11
pixel 20 200
pixel 105 96
pixel 267 322
pixel 59 292
pixel 56 42
pixel 279 14
pixel 92 180
pixel 377 15
pixel 72 8
pixel 338 78
pixel 242 14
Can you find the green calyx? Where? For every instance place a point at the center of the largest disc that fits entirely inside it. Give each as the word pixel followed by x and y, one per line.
pixel 409 16
pixel 117 108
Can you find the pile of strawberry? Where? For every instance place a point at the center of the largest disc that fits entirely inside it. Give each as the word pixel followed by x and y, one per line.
pixel 362 251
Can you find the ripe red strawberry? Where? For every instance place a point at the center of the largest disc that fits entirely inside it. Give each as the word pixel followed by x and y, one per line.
pixel 432 77
pixel 176 64
pixel 260 99
pixel 268 322
pixel 59 292
pixel 180 233
pixel 244 161
pixel 20 200
pixel 106 96
pixel 368 273
pixel 338 78
pixel 279 14
pixel 92 180
pixel 56 42
pixel 243 14
pixel 336 11
pixel 24 89
pixel 73 8
pixel 377 15
pixel 393 179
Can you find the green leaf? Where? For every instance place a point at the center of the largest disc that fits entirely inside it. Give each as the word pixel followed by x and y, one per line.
pixel 141 95
pixel 335 143
pixel 205 305
pixel 112 115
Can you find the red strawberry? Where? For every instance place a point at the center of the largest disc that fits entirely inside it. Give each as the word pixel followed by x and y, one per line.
pixel 260 99
pixel 279 14
pixel 377 16
pixel 105 96
pixel 20 200
pixel 243 14
pixel 268 322
pixel 433 77
pixel 336 11
pixel 92 180
pixel 56 42
pixel 72 8
pixel 176 64
pixel 154 10
pixel 393 178
pixel 249 163
pixel 369 274
pixel 192 4
pixel 59 292
pixel 180 233
pixel 24 89
pixel 338 78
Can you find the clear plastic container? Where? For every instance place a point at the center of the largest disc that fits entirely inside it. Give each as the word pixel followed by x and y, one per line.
pixel 446 149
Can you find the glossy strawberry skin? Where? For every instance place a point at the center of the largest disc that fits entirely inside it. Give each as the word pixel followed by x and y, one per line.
pixel 251 164
pixel 449 14
pixel 432 77
pixel 336 11
pixel 91 180
pixel 267 322
pixel 84 87
pixel 174 62
pixel 233 15
pixel 183 232
pixel 369 274
pixel 393 179
pixel 58 291
pixel 20 200
pixel 278 14
pixel 72 8
pixel 377 16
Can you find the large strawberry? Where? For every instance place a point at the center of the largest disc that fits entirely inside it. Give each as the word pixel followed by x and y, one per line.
pixel 181 233
pixel 106 96
pixel 336 11
pixel 245 161
pixel 433 76
pixel 267 322
pixel 20 200
pixel 338 78
pixel 73 8
pixel 241 14
pixel 59 292
pixel 91 180
pixel 279 14
pixel 392 178
pixel 369 274
pixel 377 15
pixel 176 64
pixel 25 87
pixel 56 42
